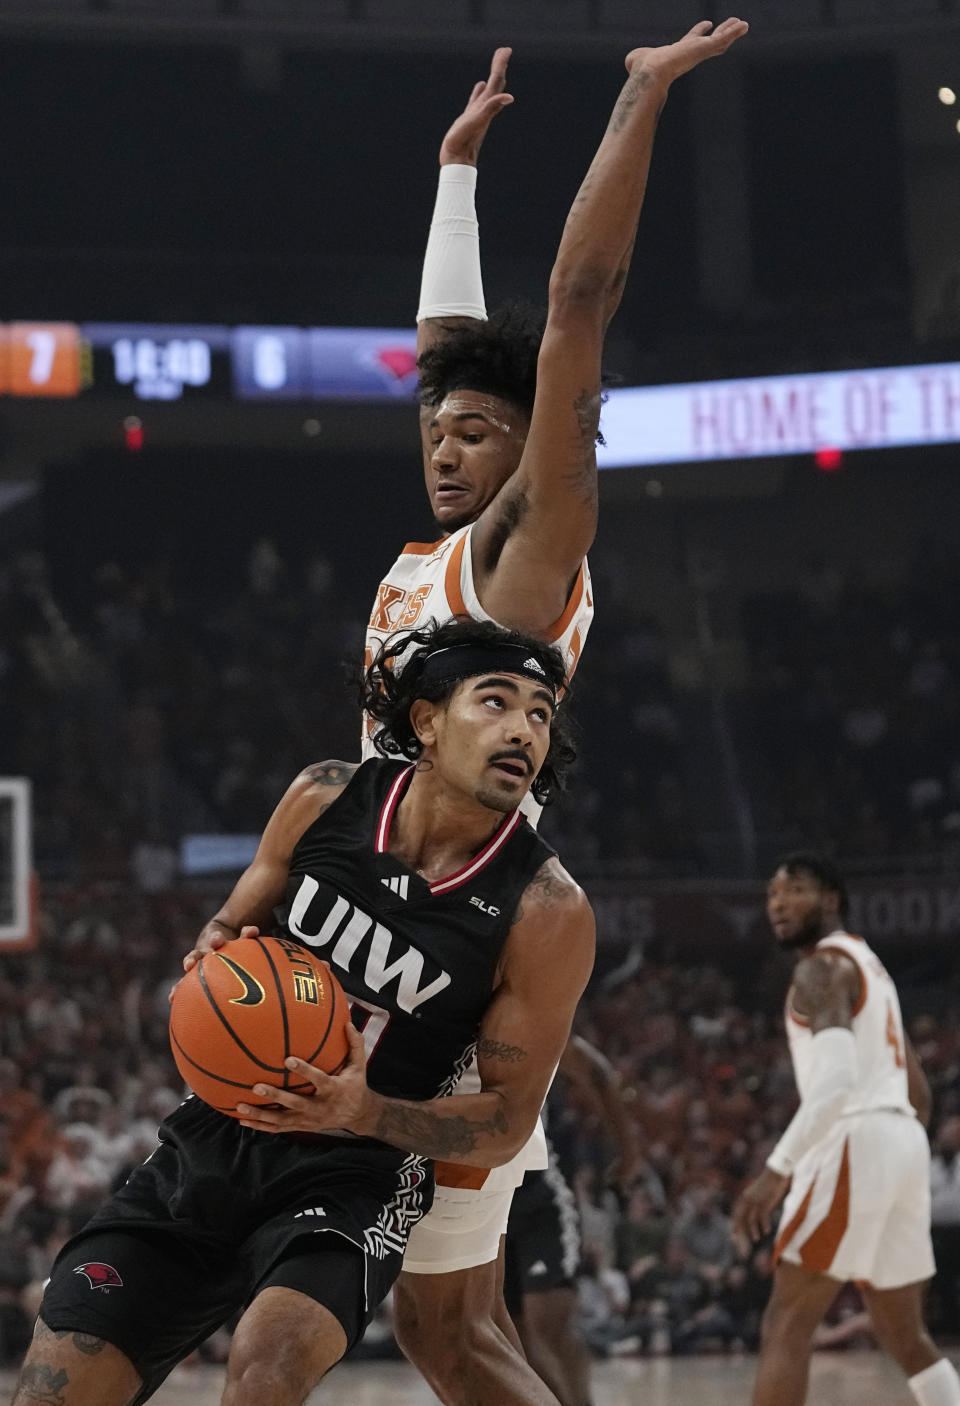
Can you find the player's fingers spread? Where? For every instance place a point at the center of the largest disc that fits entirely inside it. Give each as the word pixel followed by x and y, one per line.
pixel 260 1121
pixel 702 27
pixel 728 32
pixel 477 90
pixel 281 1096
pixel 307 1071
pixel 494 105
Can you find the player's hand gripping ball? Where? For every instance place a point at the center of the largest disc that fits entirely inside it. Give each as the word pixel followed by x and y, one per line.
pixel 242 1010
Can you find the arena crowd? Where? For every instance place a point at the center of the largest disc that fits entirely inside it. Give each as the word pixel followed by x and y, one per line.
pixel 174 720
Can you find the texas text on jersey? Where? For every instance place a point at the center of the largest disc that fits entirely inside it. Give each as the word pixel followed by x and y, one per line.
pixel 434 581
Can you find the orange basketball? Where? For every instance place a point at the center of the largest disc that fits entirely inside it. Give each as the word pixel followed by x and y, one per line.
pixel 241 1011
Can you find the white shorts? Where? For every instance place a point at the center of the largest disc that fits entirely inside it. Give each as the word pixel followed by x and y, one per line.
pixel 463 1227
pixel 859 1206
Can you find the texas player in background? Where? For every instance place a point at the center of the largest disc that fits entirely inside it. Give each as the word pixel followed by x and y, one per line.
pixel 854 1164
pixel 509 421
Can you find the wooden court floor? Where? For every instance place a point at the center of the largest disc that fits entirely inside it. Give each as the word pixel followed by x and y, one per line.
pixel 838 1379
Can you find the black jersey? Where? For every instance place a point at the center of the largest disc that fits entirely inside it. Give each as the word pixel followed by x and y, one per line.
pixel 416 959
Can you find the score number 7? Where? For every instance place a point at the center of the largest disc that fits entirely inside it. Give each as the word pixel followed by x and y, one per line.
pixel 43 348
pixel 371 1021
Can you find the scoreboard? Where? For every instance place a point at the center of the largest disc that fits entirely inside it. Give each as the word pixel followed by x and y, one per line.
pixel 816 413
pixel 162 361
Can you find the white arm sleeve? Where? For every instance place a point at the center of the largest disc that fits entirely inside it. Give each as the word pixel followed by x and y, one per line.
pixel 832 1081
pixel 452 285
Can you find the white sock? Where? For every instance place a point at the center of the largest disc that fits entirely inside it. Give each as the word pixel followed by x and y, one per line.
pixel 938 1385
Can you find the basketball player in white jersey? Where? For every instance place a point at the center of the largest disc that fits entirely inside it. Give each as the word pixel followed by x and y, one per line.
pixel 854 1164
pixel 509 420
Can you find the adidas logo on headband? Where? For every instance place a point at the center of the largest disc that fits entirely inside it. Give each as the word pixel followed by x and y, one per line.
pixel 459 661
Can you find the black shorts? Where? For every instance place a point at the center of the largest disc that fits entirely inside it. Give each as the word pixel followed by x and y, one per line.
pixel 220 1212
pixel 543 1237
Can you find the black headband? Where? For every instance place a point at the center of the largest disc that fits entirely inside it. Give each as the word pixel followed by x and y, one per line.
pixel 462 661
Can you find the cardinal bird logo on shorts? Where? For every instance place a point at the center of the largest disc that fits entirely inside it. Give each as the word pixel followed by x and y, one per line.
pixel 100 1276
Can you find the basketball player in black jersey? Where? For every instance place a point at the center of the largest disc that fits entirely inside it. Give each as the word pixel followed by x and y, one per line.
pixel 451 926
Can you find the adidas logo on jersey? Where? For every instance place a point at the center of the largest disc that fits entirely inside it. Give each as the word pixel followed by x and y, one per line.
pixel 313 1211
pixel 398 885
pixel 534 666
pixel 538 1268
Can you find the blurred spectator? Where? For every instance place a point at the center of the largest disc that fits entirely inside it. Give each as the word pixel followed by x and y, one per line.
pixel 78 1178
pixel 705 1232
pixel 641 1235
pixel 945 1215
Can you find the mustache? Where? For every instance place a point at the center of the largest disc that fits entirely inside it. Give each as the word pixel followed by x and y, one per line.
pixel 512 755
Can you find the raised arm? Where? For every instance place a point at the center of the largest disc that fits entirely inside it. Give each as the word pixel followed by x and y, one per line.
pixel 530 541
pixel 451 289
pixel 546 963
pixel 262 884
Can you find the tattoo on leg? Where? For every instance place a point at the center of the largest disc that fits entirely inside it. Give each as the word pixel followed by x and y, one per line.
pixel 41 1383
pixel 88 1344
pixel 83 1342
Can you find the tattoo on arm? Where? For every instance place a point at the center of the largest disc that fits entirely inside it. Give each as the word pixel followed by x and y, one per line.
pixel 547 889
pixel 823 991
pixel 330 773
pixel 636 84
pixel 495 1049
pixel 583 478
pixel 512 511
pixel 435 1134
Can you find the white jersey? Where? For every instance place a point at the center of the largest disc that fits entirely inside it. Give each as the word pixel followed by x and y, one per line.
pixel 433 581
pixel 858 1207
pixel 877 1030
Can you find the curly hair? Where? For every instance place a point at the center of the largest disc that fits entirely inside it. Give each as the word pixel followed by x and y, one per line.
pixel 395 680
pixel 817 866
pixel 498 357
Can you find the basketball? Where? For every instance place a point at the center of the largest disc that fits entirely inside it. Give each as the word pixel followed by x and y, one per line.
pixel 241 1011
